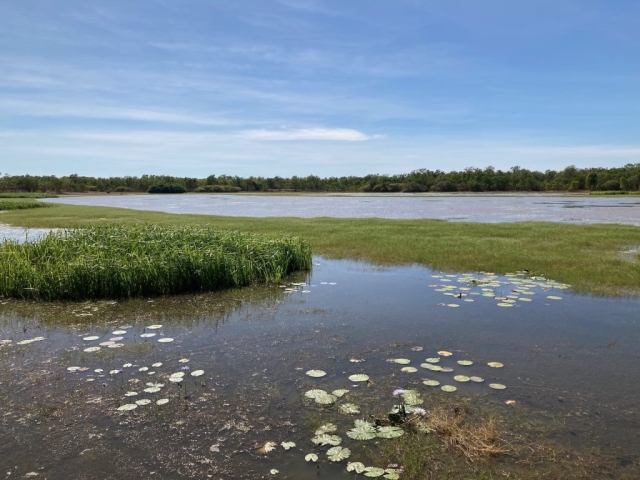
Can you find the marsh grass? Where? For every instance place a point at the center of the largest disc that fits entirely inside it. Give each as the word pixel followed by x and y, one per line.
pixel 584 256
pixel 26 195
pixel 110 261
pixel 18 204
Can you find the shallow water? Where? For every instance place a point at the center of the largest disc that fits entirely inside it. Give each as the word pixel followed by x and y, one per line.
pixel 570 363
pixel 473 208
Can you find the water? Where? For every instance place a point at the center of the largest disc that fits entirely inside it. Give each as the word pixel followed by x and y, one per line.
pixel 473 208
pixel 570 365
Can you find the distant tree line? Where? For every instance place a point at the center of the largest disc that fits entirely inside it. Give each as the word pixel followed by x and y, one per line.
pixel 489 179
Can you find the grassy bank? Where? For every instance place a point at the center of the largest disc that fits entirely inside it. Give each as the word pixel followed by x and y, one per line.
pixel 111 261
pixel 16 203
pixel 589 257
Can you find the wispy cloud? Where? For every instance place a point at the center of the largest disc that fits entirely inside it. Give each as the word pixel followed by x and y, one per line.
pixel 335 134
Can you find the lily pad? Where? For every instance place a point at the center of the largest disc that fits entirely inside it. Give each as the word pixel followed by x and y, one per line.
pixel 461 378
pixel 157 364
pixel 444 353
pixel 495 364
pixel 340 393
pixel 287 445
pixel 554 297
pixel 268 447
pixel 448 388
pixel 497 386
pixel 119 332
pixel 90 337
pixel 92 349
pixel 131 394
pixel 326 439
pixel 197 373
pixel 373 472
pixel 326 428
pixel 152 390
pixel 127 407
pixel 337 454
pixel 165 340
pixel 359 377
pixel 401 361
pixel 433 360
pixel 162 401
pixel 154 327
pixel 326 399
pixel 316 373
pixel 390 432
pixel 431 383
pixel 476 379
pixel 316 392
pixel 144 401
pixel 357 467
pixel 311 457
pixel 147 335
pixel 349 408
pixel 465 363
pixel 409 369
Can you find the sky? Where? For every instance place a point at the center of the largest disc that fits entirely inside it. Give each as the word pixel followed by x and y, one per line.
pixel 329 88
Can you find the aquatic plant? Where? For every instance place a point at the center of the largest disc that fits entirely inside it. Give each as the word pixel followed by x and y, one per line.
pixel 146 260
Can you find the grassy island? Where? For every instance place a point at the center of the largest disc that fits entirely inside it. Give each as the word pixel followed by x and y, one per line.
pixel 121 261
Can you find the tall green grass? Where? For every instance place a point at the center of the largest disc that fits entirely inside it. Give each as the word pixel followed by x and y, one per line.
pixel 110 261
pixel 22 204
pixel 26 195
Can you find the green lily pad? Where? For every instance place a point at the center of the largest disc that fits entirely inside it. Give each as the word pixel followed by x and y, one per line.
pixel 401 361
pixel 326 428
pixel 448 388
pixel 337 454
pixel 495 364
pixel 127 407
pixel 326 439
pixel 287 445
pixel 316 373
pixel 359 377
pixel 162 401
pixel 497 386
pixel 349 408
pixel 461 378
pixel 311 457
pixel 373 472
pixel 390 432
pixel 465 363
pixel 433 360
pixel 340 392
pixel 409 369
pixel 431 383
pixel 357 467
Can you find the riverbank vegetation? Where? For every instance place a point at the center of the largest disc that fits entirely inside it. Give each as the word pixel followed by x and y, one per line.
pixel 111 261
pixel 601 259
pixel 489 179
pixel 21 204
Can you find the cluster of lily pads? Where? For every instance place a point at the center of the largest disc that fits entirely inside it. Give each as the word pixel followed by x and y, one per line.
pixel 302 287
pixel 518 287
pixel 432 364
pixel 149 387
pixel 115 341
pixel 8 342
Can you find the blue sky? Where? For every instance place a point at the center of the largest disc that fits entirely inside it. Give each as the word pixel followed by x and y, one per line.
pixel 299 87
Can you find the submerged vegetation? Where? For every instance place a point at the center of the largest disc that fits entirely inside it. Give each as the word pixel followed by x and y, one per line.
pixel 132 261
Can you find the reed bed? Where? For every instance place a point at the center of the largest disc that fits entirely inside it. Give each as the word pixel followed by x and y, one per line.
pixel 22 204
pixel 115 261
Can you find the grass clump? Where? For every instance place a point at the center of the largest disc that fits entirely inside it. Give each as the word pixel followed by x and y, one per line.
pixel 26 195
pixel 11 204
pixel 110 261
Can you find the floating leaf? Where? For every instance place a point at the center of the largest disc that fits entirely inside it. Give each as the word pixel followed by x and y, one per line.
pixel 127 407
pixel 127 365
pixel 162 401
pixel 554 297
pixel 373 472
pixel 92 349
pixel 359 377
pixel 144 401
pixel 148 335
pixel 453 305
pixel 391 474
pixel 411 397
pixel 73 369
pixel 183 360
pixel 273 471
pixel 349 408
pixel 444 353
pixel 409 369
pixel 316 373
pixel 362 433
pixel 143 369
pixel 465 363
pixel 339 393
pixel 157 364
pixel 268 447
pixel 152 390
pixel 176 374
pixel 461 378
pixel 131 394
pixel 165 340
pixel 326 428
pixel 287 445
pixel 357 467
pixel 91 337
pixel 326 439
pixel 337 454
pixel 197 373
pixel 448 388
pixel 326 399
pixel 431 383
pixel 497 386
pixel 503 304
pixel 446 369
pixel 314 393
pixel 119 332
pixel 390 432
pixel 417 349
pixel 495 364
pixel 401 361
pixel 311 457
pixel 154 327
pixel 476 379
pixel 433 360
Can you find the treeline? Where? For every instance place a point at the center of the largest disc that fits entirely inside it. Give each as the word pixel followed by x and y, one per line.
pixel 625 178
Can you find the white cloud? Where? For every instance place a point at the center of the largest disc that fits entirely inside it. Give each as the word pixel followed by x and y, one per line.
pixel 336 134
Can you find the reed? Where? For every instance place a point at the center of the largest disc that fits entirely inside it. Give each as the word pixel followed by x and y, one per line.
pixel 111 261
